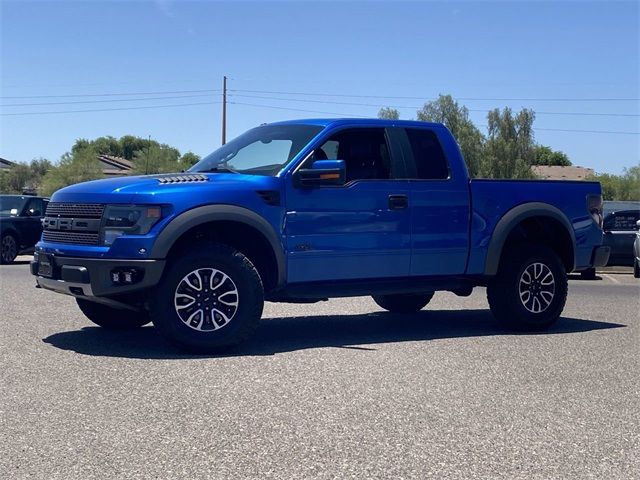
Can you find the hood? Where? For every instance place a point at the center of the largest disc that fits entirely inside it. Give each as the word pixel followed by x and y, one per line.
pixel 162 188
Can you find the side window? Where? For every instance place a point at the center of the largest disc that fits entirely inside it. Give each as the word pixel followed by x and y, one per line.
pixel 35 206
pixel 364 151
pixel 431 163
pixel 328 151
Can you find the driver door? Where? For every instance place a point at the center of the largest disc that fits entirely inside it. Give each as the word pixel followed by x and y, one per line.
pixel 359 230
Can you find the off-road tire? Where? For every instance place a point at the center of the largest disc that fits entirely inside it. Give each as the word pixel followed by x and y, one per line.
pixel 112 318
pixel 504 293
pixel 399 303
pixel 249 299
pixel 8 248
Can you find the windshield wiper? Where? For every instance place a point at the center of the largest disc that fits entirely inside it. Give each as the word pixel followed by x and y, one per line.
pixel 219 168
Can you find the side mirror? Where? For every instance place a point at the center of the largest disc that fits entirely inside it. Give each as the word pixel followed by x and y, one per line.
pixel 322 172
pixel 34 213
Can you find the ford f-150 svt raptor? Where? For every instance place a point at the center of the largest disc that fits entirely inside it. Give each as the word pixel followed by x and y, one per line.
pixel 305 210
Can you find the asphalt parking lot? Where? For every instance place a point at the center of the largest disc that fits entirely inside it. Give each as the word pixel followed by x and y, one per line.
pixel 337 389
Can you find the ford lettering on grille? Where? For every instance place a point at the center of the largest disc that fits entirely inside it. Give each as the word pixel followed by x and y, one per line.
pixel 75 223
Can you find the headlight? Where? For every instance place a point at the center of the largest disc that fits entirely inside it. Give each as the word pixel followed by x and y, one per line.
pixel 121 220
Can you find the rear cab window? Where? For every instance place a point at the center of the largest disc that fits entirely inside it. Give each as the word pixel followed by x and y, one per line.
pixel 429 158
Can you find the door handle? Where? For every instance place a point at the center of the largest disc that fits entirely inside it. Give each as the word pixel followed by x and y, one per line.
pixel 398 202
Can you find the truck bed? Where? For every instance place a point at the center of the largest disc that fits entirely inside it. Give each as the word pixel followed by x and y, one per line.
pixel 491 199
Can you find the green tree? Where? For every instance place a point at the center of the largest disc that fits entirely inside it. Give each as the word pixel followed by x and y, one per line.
pixel 630 188
pixel 101 146
pixel 389 113
pixel 131 144
pixel 188 160
pixel 40 166
pixel 623 187
pixel 74 167
pixel 24 178
pixel 456 118
pixel 547 156
pixel 510 148
pixel 15 179
pixel 156 159
pixel 610 185
pixel 148 156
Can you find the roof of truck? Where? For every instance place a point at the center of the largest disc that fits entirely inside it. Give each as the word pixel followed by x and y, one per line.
pixel 325 122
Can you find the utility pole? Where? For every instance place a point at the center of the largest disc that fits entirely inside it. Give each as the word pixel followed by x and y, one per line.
pixel 224 110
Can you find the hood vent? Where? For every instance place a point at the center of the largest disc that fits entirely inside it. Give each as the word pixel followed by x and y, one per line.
pixel 182 178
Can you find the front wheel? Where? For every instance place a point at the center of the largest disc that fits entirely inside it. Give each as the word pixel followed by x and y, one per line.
pixel 208 299
pixel 410 303
pixel 112 318
pixel 9 247
pixel 530 289
pixel 636 268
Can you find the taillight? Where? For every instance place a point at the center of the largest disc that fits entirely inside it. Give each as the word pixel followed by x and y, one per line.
pixel 594 205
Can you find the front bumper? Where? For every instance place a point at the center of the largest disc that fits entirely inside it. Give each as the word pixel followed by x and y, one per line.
pixel 600 256
pixel 92 277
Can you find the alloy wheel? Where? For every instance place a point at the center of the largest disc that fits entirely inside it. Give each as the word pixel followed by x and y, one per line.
pixel 206 299
pixel 536 287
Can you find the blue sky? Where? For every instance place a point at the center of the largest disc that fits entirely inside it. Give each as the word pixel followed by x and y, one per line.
pixel 486 52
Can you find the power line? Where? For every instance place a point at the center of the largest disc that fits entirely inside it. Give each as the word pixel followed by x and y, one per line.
pixel 270 107
pixel 209 90
pixel 378 105
pixel 119 94
pixel 100 101
pixel 575 130
pixel 297 109
pixel 335 113
pixel 540 99
pixel 109 109
pixel 586 131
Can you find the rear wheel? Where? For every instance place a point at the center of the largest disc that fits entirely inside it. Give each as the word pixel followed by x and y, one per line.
pixel 530 289
pixel 9 248
pixel 208 300
pixel 398 303
pixel 112 318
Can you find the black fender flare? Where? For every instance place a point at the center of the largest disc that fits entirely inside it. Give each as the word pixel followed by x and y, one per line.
pixel 512 218
pixel 211 213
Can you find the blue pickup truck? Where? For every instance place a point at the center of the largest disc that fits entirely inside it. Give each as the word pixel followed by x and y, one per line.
pixel 305 210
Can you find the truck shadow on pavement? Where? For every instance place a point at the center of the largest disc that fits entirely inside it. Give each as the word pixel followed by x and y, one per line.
pixel 278 335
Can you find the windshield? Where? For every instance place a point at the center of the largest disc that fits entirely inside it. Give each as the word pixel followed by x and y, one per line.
pixel 10 205
pixel 260 151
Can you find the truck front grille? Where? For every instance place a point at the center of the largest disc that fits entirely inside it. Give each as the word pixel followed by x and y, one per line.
pixel 74 210
pixel 75 223
pixel 76 238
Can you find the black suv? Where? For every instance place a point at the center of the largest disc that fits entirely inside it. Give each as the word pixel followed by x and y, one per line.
pixel 20 224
